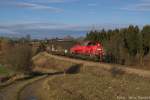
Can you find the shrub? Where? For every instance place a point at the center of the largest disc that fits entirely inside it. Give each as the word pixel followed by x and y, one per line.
pixel 18 57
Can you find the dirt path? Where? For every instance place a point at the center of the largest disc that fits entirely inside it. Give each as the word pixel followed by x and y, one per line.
pixel 126 69
pixel 33 91
pixel 11 92
pixel 29 92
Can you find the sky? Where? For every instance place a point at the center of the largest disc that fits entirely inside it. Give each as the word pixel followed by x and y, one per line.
pixel 52 18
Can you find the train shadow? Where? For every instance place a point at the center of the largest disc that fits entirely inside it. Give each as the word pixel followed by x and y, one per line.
pixel 74 69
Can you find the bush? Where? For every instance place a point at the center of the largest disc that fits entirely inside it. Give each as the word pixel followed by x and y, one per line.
pixel 18 57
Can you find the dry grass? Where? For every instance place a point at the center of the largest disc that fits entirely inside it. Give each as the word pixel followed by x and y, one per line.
pixel 92 83
pixel 46 62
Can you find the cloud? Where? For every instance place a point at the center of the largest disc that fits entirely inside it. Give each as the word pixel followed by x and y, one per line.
pixel 7 31
pixel 35 4
pixel 50 30
pixel 42 30
pixel 43 26
pixel 38 7
pixel 144 5
pixel 145 0
pixel 138 7
pixel 36 1
pixel 54 26
pixel 52 1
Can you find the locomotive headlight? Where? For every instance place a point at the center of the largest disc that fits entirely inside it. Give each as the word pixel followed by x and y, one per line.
pixel 99 49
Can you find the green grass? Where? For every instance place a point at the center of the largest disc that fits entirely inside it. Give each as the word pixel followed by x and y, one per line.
pixel 5 71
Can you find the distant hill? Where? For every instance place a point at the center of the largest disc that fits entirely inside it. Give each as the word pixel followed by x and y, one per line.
pixel 44 33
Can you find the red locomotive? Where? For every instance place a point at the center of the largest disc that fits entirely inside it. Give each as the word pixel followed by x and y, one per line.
pixel 88 48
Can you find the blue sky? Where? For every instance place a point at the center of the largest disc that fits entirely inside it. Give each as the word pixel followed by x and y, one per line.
pixel 54 16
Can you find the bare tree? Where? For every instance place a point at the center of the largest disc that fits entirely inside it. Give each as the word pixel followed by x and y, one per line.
pixel 18 57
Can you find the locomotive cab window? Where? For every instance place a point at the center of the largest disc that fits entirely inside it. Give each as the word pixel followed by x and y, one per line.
pixel 91 44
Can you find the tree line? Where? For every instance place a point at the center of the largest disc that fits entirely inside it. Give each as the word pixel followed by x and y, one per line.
pixel 125 45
